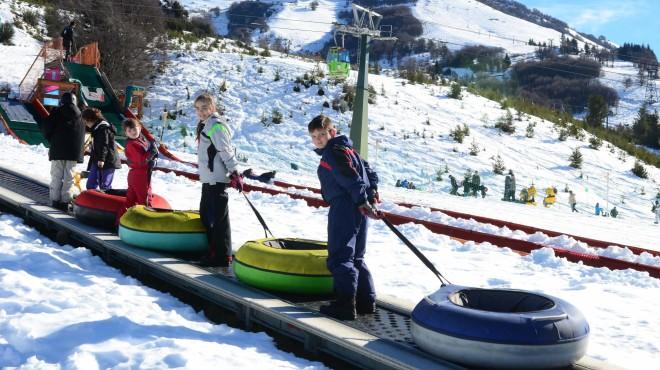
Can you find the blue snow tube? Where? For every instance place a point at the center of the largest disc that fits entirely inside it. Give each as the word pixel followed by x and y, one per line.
pixel 500 328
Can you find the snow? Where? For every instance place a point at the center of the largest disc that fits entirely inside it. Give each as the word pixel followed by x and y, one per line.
pixel 62 307
pixel 293 23
pixel 458 22
pixel 630 98
pixel 24 49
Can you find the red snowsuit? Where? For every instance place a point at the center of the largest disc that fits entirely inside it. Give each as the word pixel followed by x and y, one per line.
pixel 138 156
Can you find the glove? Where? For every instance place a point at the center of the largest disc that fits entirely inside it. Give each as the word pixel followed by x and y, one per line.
pixel 236 181
pixel 370 210
pixel 373 197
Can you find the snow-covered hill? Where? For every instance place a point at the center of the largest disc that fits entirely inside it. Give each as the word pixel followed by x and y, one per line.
pixel 458 22
pixel 424 115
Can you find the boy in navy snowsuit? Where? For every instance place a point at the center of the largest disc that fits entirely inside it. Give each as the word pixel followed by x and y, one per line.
pixel 350 187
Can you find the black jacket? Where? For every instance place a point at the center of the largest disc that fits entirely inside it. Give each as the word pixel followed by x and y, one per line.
pixel 103 145
pixel 67 35
pixel 65 133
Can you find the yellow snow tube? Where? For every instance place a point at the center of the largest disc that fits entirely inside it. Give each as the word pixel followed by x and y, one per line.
pixel 163 230
pixel 285 265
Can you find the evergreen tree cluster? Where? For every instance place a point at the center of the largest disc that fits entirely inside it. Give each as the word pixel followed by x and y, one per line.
pixel 568 46
pixel 561 83
pixel 645 130
pixel 635 52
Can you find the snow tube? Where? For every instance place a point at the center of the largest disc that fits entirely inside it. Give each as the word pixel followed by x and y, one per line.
pixel 99 208
pixel 163 230
pixel 295 266
pixel 500 328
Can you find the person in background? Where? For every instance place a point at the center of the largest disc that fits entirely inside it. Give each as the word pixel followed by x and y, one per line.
pixel 467 184
pixel 656 209
pixel 614 212
pixel 454 185
pixel 512 190
pixel 351 188
pixel 572 201
pixel 218 170
pixel 598 209
pixel 507 188
pixel 67 40
pixel 476 183
pixel 103 158
pixel 65 132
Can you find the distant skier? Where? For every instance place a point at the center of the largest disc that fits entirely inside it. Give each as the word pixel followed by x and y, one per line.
pixel 67 40
pixel 656 209
pixel 507 188
pixel 454 185
pixel 476 183
pixel 572 201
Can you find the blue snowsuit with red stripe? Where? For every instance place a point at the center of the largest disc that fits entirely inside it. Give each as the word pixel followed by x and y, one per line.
pixel 347 181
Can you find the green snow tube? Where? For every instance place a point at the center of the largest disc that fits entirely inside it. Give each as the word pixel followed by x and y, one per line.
pixel 296 266
pixel 163 230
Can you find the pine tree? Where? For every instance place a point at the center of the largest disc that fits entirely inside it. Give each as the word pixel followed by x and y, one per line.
pixel 455 92
pixel 598 111
pixel 506 63
pixel 505 123
pixel 639 170
pixel 595 142
pixel 498 165
pixel 576 158
pixel 474 148
pixel 529 132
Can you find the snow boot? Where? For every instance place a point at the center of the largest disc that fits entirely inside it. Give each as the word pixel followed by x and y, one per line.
pixel 365 308
pixel 343 308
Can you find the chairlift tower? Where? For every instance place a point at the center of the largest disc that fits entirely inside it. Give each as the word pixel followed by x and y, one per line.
pixel 651 96
pixel 366 27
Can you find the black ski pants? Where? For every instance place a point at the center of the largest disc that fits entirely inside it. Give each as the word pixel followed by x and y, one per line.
pixel 214 211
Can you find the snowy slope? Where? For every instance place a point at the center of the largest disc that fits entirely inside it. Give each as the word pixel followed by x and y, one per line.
pixel 623 333
pixel 448 20
pixel 24 49
pixel 458 22
pixel 62 307
pixel 630 98
pixel 405 109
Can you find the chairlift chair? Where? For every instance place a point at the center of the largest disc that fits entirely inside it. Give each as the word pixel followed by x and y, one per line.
pixel 339 63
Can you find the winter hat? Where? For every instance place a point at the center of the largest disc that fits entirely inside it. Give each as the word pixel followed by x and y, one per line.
pixel 68 98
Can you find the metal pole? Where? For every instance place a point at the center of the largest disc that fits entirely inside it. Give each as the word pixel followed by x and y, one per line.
pixel 607 192
pixel 360 122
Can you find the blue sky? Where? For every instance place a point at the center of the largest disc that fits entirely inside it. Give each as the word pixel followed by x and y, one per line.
pixel 620 21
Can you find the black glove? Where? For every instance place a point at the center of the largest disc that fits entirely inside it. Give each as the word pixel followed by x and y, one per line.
pixel 236 181
pixel 373 197
pixel 370 210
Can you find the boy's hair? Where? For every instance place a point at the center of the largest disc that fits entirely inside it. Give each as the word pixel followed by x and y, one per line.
pixel 92 115
pixel 131 123
pixel 205 99
pixel 320 122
